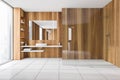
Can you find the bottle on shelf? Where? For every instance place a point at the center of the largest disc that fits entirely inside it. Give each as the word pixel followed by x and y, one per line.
pixel 21 29
pixel 22 22
pixel 22 43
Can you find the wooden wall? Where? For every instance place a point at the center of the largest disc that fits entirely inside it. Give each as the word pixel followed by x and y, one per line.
pixel 111 21
pixel 19 33
pixel 16 33
pixel 45 16
pixel 49 52
pixel 35 31
pixel 87 33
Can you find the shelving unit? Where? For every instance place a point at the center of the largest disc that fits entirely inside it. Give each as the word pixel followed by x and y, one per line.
pixel 19 33
pixel 22 31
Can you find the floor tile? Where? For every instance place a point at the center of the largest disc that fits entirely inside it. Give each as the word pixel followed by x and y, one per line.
pixel 58 69
pixel 26 75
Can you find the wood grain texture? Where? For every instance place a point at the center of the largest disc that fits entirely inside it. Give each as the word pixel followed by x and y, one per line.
pixel 87 33
pixel 48 52
pixel 45 16
pixel 19 36
pixel 35 31
pixel 52 52
pixel 111 21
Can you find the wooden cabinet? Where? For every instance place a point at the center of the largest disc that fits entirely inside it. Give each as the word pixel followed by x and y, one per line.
pixel 19 33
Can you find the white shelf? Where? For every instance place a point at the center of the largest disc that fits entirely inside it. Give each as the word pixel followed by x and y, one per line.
pixel 53 46
pixel 29 46
pixel 49 46
pixel 34 51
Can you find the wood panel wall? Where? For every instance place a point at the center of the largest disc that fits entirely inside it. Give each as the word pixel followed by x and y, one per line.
pixel 16 33
pixel 19 33
pixel 87 33
pixel 45 16
pixel 35 31
pixel 111 21
pixel 51 52
pixel 48 52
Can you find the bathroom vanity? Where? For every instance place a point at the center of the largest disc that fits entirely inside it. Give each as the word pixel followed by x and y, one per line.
pixel 42 51
pixel 37 35
pixel 43 40
pixel 28 48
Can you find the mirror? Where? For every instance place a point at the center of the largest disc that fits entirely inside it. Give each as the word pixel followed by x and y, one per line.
pixel 42 30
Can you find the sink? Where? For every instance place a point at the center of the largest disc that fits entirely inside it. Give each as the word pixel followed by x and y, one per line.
pixel 41 44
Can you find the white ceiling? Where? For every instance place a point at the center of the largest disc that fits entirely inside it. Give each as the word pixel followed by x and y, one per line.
pixel 47 24
pixel 56 5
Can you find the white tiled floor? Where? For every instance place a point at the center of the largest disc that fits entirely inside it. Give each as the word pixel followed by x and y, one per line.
pixel 58 69
pixel 2 61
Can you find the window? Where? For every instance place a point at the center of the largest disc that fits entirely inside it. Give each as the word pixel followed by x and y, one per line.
pixel 6 24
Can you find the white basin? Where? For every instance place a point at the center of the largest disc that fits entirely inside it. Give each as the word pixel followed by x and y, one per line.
pixel 41 44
